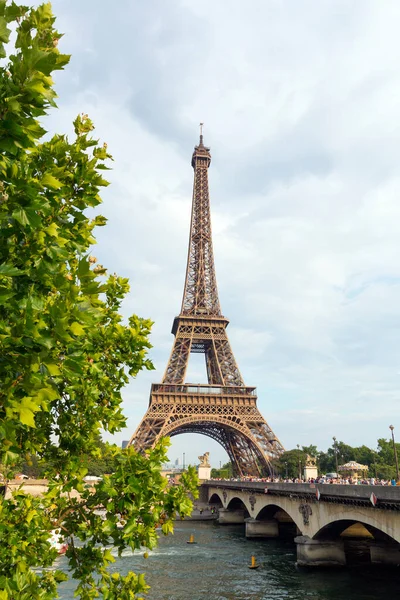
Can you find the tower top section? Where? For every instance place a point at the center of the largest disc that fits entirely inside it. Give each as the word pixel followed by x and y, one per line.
pixel 201 155
pixel 200 295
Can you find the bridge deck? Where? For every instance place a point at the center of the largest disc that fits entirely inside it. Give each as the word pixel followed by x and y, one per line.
pixel 388 497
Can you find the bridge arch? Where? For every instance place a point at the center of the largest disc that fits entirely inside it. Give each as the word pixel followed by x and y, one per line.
pixel 377 529
pixel 279 511
pixel 215 499
pixel 236 503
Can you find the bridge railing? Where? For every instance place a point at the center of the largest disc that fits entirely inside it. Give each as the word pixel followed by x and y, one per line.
pixel 339 492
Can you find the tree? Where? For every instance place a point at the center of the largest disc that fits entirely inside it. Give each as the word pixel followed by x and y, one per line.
pixel 311 450
pixel 381 463
pixel 65 352
pixel 340 451
pixel 225 472
pixel 292 463
pixel 106 461
pixel 385 451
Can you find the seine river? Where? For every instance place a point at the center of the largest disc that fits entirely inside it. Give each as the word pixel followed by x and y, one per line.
pixel 216 568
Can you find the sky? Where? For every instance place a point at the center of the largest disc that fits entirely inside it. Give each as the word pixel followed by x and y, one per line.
pixel 301 105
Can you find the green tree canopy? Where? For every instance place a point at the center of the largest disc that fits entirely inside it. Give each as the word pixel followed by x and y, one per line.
pixel 380 462
pixel 225 472
pixel 65 352
pixel 311 450
pixel 291 463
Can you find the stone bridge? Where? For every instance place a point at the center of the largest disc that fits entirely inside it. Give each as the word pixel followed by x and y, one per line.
pixel 331 524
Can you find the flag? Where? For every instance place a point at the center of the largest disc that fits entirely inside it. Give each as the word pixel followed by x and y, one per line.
pixel 373 499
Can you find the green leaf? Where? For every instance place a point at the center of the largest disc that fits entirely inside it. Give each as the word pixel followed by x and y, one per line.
pixel 32 513
pixel 100 221
pixel 20 216
pixel 108 556
pixel 46 340
pixel 13 10
pixel 40 88
pixel 52 229
pixel 77 328
pixel 47 394
pixel 10 271
pixel 4 30
pixel 167 528
pixel 53 369
pixel 50 181
pixel 33 218
pixel 27 417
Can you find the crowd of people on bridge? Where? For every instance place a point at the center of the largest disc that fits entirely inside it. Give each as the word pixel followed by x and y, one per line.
pixel 322 479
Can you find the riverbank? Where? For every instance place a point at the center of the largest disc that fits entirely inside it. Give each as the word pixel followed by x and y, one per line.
pixel 202 512
pixel 35 487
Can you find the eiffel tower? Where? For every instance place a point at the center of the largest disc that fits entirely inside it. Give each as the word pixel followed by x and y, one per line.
pixel 225 409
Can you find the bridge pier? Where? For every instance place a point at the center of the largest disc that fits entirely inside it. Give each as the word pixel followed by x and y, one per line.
pixel 230 517
pixel 261 529
pixel 319 553
pixel 384 553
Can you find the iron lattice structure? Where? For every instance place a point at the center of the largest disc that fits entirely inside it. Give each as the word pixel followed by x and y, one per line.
pixel 225 409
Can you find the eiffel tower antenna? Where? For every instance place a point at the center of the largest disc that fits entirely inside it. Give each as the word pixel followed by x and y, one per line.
pixel 225 409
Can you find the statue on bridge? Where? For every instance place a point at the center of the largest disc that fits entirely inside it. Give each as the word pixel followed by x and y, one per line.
pixel 311 461
pixel 204 460
pixel 310 468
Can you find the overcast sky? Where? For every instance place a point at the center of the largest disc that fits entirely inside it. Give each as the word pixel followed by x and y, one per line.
pixel 301 104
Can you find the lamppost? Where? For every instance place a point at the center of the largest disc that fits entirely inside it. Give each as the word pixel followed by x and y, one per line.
pixel 395 452
pixel 335 449
pixel 183 461
pixel 286 469
pixel 298 448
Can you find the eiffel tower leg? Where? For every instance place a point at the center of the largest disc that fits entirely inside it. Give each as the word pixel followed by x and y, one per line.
pixel 240 467
pixel 214 374
pixel 178 361
pixel 247 461
pixel 227 363
pixel 267 439
pixel 148 432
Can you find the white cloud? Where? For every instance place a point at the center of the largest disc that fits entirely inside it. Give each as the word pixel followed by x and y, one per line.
pixel 300 102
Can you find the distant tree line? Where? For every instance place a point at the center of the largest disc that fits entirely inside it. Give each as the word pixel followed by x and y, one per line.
pixel 225 472
pixel 104 463
pixel 381 462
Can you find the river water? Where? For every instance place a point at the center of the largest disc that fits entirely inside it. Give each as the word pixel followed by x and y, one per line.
pixel 216 568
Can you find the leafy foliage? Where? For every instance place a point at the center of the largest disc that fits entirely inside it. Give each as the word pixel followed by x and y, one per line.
pixel 381 462
pixel 65 352
pixel 291 463
pixel 225 472
pixel 104 462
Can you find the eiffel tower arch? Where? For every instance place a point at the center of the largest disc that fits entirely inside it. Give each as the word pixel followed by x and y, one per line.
pixel 225 409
